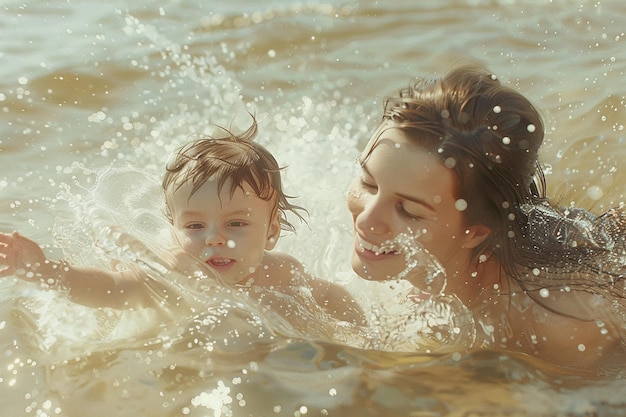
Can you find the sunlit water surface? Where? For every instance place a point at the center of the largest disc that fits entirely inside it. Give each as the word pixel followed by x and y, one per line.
pixel 94 96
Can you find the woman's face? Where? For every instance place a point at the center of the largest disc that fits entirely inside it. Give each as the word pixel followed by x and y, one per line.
pixel 405 189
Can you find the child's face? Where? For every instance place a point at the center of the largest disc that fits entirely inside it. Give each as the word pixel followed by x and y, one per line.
pixel 230 234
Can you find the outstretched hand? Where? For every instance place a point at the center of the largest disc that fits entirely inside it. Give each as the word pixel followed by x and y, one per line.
pixel 19 256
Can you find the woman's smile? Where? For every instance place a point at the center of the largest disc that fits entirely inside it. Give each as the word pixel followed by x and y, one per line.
pixel 375 252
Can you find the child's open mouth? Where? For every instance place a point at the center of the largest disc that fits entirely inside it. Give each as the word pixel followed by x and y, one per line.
pixel 220 264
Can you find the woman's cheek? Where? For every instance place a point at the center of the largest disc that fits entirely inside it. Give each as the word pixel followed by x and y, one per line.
pixel 425 236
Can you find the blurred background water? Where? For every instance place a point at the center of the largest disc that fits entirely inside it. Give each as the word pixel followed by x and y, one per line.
pixel 91 85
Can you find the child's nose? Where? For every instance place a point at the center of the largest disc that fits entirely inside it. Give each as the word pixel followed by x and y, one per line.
pixel 214 238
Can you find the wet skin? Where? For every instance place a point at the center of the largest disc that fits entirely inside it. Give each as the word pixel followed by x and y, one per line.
pixel 230 233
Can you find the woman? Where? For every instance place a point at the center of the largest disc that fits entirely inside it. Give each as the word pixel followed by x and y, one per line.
pixel 454 162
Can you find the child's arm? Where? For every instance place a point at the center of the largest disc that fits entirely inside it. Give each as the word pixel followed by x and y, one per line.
pixel 88 286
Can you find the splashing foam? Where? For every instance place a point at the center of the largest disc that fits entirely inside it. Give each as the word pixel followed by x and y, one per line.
pixel 412 312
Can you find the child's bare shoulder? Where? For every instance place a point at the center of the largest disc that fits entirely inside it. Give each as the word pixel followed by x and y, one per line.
pixel 278 269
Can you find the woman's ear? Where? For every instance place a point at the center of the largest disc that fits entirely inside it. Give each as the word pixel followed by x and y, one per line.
pixel 273 233
pixel 475 235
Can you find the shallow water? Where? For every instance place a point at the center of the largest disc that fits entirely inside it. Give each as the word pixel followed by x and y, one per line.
pixel 88 85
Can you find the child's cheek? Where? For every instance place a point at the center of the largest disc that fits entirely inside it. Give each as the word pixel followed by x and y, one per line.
pixel 183 240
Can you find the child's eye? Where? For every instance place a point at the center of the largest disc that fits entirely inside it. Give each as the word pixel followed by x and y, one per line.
pixel 237 223
pixel 194 226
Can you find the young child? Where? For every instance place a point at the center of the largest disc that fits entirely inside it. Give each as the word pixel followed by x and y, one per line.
pixel 225 201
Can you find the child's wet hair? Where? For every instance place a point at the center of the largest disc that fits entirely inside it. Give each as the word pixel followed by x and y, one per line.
pixel 231 157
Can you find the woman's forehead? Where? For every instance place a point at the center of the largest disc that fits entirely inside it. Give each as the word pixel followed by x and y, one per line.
pixel 409 167
pixel 397 144
pixel 396 137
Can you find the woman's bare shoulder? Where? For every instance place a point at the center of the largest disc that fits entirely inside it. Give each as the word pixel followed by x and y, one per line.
pixel 570 328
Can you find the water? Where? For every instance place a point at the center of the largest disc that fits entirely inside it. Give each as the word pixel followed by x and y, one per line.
pixel 88 86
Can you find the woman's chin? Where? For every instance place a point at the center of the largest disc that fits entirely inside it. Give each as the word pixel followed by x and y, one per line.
pixel 372 271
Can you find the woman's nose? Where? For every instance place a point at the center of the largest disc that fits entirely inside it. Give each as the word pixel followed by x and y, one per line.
pixel 370 214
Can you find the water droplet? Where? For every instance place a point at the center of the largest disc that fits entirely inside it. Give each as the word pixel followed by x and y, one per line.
pixel 594 192
pixel 449 162
pixel 460 204
pixel 544 293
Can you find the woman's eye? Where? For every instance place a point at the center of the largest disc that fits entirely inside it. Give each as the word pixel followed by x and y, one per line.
pixel 194 226
pixel 368 185
pixel 408 213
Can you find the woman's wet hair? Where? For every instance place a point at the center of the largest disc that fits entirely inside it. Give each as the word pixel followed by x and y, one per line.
pixel 236 158
pixel 490 135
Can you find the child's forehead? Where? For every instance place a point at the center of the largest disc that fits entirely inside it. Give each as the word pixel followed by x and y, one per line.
pixel 211 189
pixel 205 202
pixel 211 185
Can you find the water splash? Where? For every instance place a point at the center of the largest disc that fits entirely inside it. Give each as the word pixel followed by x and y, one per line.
pixel 412 312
